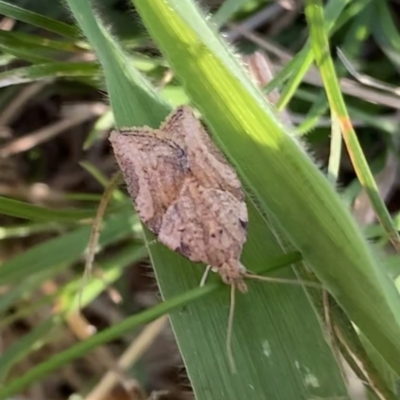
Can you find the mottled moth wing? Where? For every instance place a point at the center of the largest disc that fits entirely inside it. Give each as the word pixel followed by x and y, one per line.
pixel 205 225
pixel 154 168
pixel 206 162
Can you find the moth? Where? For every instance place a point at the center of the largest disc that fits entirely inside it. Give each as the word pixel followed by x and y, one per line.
pixel 189 196
pixel 186 192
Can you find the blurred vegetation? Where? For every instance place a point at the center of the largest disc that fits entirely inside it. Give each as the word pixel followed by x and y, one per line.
pixel 59 98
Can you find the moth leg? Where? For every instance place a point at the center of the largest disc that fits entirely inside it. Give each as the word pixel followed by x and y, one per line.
pixel 205 275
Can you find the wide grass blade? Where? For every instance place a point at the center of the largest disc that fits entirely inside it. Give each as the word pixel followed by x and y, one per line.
pixel 285 181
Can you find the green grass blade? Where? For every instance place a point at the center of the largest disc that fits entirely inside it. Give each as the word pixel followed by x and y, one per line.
pixel 225 12
pixel 319 107
pixel 339 112
pixel 21 289
pixel 143 94
pixel 104 123
pixel 39 42
pixel 63 250
pixel 35 19
pixel 48 70
pixel 358 32
pixel 335 152
pixel 284 180
pixel 385 32
pixel 382 123
pixel 20 50
pixel 304 58
pixel 24 230
pixel 21 209
pixel 24 346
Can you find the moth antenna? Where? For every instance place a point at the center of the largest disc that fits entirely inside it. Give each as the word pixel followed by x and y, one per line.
pixel 205 275
pixel 283 280
pixel 231 359
pixel 95 233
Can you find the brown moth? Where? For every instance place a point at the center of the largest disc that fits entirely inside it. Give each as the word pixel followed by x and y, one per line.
pixel 189 196
pixel 186 192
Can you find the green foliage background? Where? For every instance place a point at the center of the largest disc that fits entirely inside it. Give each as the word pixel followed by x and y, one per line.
pixel 286 338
